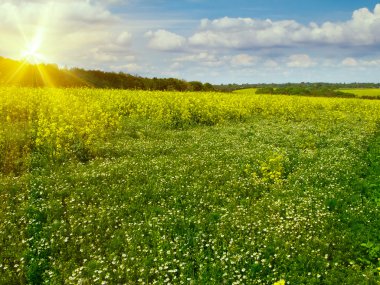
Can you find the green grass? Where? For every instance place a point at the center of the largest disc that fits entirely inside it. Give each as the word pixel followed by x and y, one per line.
pixel 187 188
pixel 237 203
pixel 360 92
pixel 246 91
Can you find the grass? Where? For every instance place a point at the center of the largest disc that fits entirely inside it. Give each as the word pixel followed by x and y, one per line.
pixel 360 92
pixel 367 93
pixel 246 91
pixel 239 202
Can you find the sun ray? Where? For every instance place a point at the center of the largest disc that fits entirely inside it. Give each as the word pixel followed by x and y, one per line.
pixel 32 49
pixel 45 76
pixel 34 69
pixel 31 54
pixel 81 80
pixel 19 72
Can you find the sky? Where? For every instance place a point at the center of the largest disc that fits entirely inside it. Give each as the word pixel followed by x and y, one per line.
pixel 238 41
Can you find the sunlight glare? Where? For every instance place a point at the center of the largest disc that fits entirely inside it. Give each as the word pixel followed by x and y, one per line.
pixel 32 51
pixel 32 56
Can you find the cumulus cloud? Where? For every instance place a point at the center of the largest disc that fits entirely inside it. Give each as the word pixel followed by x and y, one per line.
pixel 300 60
pixel 69 32
pixel 214 60
pixel 124 38
pixel 353 62
pixel 270 63
pixel 361 30
pixel 102 56
pixel 371 63
pixel 89 34
pixel 349 61
pixel 165 41
pixel 243 60
pixel 130 67
pixel 202 58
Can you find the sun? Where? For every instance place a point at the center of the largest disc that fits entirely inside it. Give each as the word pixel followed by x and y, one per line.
pixel 32 56
pixel 32 53
pixel 34 68
pixel 33 45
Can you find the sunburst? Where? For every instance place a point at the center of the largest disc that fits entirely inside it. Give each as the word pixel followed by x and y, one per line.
pixel 32 55
pixel 35 52
pixel 32 51
pixel 32 66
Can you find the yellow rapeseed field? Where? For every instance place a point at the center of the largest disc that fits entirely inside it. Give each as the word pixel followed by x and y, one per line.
pixel 147 187
pixel 62 123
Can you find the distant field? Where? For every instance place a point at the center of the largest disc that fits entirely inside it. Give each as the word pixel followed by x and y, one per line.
pixel 136 187
pixel 359 92
pixel 246 91
pixel 363 92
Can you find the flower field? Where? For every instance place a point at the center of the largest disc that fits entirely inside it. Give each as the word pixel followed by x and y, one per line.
pixel 138 187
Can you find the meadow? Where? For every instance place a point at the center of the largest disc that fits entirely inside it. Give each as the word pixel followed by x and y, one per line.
pixel 366 92
pixel 138 187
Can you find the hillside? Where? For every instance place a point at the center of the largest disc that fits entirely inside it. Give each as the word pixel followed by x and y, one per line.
pixel 24 74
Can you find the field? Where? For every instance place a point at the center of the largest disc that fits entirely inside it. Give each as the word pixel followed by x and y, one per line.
pixel 246 91
pixel 363 93
pixel 368 92
pixel 137 187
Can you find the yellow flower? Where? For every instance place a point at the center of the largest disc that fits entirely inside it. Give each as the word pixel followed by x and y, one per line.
pixel 281 282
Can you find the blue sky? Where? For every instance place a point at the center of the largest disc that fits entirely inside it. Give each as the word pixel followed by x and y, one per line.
pixel 215 41
pixel 304 11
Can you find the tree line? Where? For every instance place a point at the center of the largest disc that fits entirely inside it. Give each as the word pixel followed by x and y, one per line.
pixel 292 87
pixel 22 73
pixel 322 91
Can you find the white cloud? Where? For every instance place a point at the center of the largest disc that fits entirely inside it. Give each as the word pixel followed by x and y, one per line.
pixel 361 30
pixel 89 34
pixel 130 67
pixel 165 41
pixel 270 63
pixel 68 32
pixel 349 61
pixel 213 60
pixel 133 67
pixel 202 58
pixel 124 38
pixel 300 60
pixel 243 60
pixel 372 63
pixel 353 62
pixel 101 56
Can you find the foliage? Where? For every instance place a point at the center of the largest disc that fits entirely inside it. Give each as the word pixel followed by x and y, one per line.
pixel 365 93
pixel 136 187
pixel 313 85
pixel 305 91
pixel 24 74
